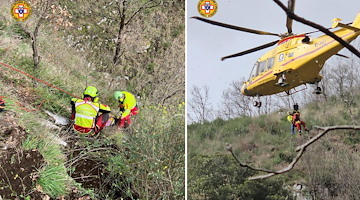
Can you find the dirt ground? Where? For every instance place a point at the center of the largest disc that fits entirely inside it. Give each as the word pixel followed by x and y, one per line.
pixel 92 174
pixel 87 171
pixel 18 171
pixel 18 168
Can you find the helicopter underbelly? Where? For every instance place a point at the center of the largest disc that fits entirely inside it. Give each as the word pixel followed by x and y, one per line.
pixel 266 83
pixel 301 69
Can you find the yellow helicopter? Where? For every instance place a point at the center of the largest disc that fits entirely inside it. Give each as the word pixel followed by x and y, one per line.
pixel 295 60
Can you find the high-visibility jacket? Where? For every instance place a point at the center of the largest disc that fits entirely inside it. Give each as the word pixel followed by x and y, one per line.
pixel 128 104
pixel 289 118
pixel 86 112
pixel 296 117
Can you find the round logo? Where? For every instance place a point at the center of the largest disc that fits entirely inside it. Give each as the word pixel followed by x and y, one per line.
pixel 20 10
pixel 207 8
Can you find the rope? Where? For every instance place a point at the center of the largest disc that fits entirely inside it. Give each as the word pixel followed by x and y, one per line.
pixel 21 106
pixel 33 77
pixel 29 110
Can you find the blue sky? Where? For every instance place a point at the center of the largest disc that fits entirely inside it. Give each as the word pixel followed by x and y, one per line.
pixel 206 43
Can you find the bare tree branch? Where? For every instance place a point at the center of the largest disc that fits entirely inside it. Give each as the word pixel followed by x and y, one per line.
pixel 229 148
pixel 300 149
pixel 234 103
pixel 147 5
pixel 36 57
pixel 200 105
pixel 123 8
pixel 320 28
pixel 173 94
pixel 43 8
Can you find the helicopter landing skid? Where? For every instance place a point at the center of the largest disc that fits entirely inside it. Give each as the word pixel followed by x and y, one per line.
pixel 317 90
pixel 257 103
pixel 289 92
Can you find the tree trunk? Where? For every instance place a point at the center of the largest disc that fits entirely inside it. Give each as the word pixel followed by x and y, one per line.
pixel 36 57
pixel 118 53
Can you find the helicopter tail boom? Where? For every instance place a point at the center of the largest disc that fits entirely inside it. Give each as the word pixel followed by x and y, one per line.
pixel 356 22
pixel 355 26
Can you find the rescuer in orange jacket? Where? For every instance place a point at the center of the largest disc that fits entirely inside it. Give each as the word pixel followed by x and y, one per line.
pixel 297 122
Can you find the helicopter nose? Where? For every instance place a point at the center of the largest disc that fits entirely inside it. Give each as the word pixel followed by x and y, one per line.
pixel 244 91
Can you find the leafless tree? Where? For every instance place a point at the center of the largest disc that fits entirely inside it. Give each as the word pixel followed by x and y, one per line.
pixel 341 79
pixel 200 105
pixel 268 103
pixel 44 6
pixel 40 9
pixel 234 103
pixel 126 15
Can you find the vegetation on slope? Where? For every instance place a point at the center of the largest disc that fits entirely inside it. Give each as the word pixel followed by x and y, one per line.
pixel 145 161
pixel 265 141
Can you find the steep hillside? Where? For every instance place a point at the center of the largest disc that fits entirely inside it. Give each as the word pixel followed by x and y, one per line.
pixel 41 159
pixel 328 169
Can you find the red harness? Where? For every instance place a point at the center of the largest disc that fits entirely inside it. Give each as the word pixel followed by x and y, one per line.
pixel 2 103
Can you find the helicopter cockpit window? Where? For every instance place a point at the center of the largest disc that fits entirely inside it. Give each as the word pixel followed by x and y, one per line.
pixel 254 71
pixel 262 66
pixel 270 63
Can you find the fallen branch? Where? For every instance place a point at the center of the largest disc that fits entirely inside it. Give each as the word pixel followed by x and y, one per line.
pixel 300 149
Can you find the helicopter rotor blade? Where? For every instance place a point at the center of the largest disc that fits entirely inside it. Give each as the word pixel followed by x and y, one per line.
pixel 289 21
pixel 250 50
pixel 238 28
pixel 326 28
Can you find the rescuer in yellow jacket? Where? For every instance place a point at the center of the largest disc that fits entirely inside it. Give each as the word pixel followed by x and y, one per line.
pixel 128 107
pixel 290 119
pixel 89 115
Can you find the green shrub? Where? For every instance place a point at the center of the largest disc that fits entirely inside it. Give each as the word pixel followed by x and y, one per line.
pixel 16 28
pixel 352 138
pixel 54 180
pixel 220 177
pixel 149 163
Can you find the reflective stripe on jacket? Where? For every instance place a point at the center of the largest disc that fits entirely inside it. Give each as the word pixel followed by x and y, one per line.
pixel 85 113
